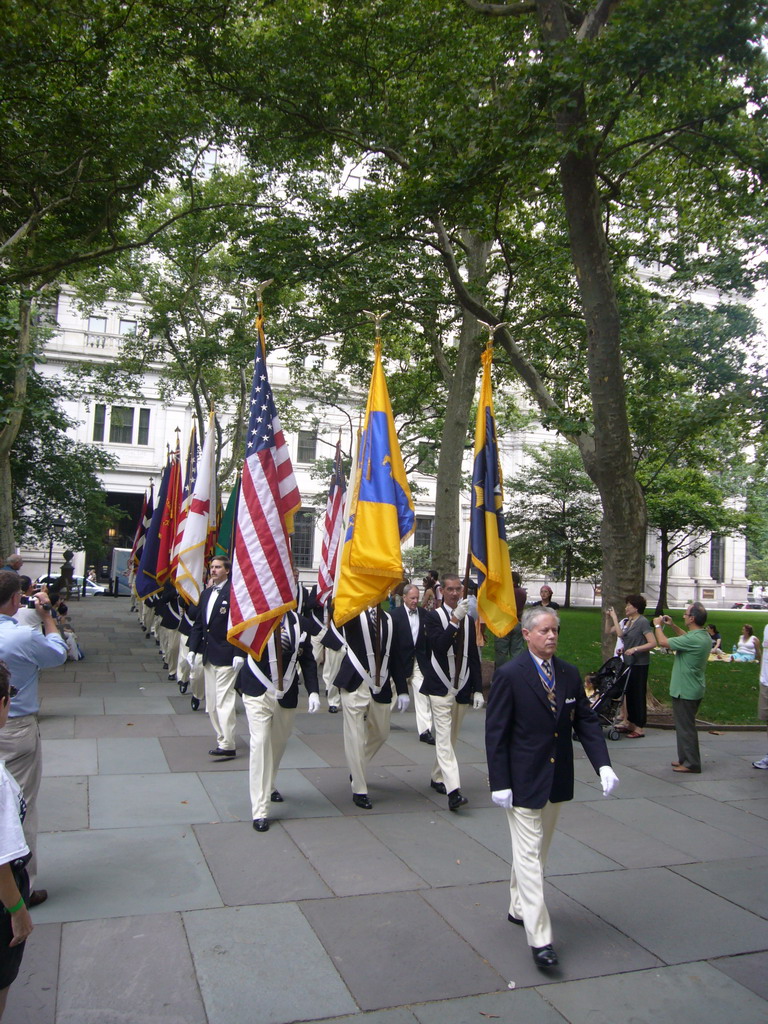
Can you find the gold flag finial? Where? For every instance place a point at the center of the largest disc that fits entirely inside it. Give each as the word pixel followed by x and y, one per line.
pixel 492 328
pixel 377 318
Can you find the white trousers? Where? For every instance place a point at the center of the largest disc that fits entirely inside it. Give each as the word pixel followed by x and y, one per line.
pixel 184 674
pixel 331 664
pixel 366 728
pixel 270 725
pixel 220 698
pixel 531 831
pixel 447 717
pixel 420 701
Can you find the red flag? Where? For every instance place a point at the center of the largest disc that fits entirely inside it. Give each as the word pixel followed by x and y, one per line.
pixel 334 509
pixel 186 500
pixel 263 587
pixel 167 533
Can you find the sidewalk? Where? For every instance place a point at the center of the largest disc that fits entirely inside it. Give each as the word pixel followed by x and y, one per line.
pixel 166 907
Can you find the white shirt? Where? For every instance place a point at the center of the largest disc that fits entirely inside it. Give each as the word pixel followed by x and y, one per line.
pixel 212 598
pixel 413 619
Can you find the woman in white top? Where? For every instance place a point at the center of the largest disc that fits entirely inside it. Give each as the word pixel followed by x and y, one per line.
pixel 747 646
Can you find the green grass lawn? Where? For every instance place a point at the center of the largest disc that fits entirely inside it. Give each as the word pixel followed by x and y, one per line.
pixel 731 697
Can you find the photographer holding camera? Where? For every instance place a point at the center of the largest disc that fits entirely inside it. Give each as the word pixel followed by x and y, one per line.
pixel 25 652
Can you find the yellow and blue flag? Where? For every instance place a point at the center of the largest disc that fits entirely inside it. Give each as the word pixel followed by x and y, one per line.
pixel 381 513
pixel 487 533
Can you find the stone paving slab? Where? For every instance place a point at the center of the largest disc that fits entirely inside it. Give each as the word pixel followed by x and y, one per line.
pixel 32 997
pixel 437 851
pixel 299 755
pixel 142 705
pixel 622 844
pixel 698 840
pixel 60 727
pixel 148 800
pixel 136 969
pixel 741 881
pixel 587 946
pixel 253 868
pixel 120 872
pixel 384 789
pixel 749 970
pixel 349 858
pixel 400 1016
pixel 720 815
pixel 92 727
pixel 122 755
pixel 758 807
pixel 63 803
pixel 190 754
pixel 236 949
pixel 71 706
pixel 672 917
pixel 747 787
pixel 394 949
pixel 521 1007
pixel 70 757
pixel 693 992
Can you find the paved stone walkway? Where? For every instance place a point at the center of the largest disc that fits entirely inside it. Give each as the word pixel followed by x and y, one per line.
pixel 167 908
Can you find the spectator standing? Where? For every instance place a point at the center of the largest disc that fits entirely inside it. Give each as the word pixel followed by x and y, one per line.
pixel 686 688
pixel 762 699
pixel 545 594
pixel 25 652
pixel 13 564
pixel 637 642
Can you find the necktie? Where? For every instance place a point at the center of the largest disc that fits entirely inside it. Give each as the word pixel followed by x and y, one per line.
pixel 549 683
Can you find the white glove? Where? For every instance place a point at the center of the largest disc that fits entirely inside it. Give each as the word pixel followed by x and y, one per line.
pixel 478 701
pixel 403 702
pixel 238 663
pixel 314 703
pixel 193 660
pixel 472 606
pixel 502 797
pixel 609 779
pixel 461 609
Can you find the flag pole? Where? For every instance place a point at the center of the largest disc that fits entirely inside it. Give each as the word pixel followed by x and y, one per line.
pixel 377 318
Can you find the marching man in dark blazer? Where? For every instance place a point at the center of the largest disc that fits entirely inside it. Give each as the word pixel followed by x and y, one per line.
pixel 452 682
pixel 270 706
pixel 208 643
pixel 410 656
pixel 366 696
pixel 536 702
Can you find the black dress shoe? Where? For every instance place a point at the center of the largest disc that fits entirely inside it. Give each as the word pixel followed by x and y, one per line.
pixel 183 687
pixel 456 800
pixel 218 752
pixel 165 665
pixel 333 710
pixel 195 703
pixel 544 956
pixel 276 797
pixel 515 920
pixel 172 676
pixel 261 824
pixel 427 737
pixel 439 787
pixel 362 800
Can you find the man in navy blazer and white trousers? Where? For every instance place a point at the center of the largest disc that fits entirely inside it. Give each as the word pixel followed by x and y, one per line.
pixel 221 660
pixel 535 704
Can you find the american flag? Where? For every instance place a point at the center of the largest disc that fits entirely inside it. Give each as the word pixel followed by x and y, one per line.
pixel 263 586
pixel 190 475
pixel 334 510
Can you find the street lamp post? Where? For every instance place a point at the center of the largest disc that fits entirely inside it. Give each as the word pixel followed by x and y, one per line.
pixel 58 523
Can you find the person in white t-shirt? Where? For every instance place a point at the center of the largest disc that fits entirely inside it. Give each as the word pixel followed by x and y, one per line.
pixel 15 922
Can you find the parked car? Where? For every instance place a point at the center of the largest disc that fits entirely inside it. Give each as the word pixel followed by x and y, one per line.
pixel 91 589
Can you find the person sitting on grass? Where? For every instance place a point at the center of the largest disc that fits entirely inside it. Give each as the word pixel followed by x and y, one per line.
pixel 747 646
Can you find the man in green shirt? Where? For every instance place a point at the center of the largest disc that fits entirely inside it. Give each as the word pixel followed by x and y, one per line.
pixel 686 688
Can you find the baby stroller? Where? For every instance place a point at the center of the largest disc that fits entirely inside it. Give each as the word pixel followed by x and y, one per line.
pixel 605 691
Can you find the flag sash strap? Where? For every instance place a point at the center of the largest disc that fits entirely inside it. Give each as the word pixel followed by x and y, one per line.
pixel 368 675
pixel 289 670
pixel 448 680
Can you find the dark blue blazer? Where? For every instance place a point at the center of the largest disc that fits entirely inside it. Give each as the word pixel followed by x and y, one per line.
pixel 530 749
pixel 404 651
pixel 210 638
pixel 441 639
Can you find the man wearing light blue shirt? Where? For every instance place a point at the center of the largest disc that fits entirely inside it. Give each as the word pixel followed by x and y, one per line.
pixel 25 651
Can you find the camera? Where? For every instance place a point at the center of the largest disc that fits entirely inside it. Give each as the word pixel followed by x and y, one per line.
pixel 31 602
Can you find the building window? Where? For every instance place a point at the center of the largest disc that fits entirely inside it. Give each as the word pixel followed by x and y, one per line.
pixel 127 327
pixel 717 558
pixel 422 534
pixel 97 325
pixel 143 426
pixel 121 425
pixel 99 418
pixel 303 539
pixel 307 448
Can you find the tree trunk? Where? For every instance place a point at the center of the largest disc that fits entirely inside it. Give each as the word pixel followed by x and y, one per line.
pixel 663 570
pixel 445 552
pixel 10 431
pixel 568 578
pixel 608 454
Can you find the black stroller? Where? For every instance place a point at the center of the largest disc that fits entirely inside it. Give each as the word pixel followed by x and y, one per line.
pixel 608 686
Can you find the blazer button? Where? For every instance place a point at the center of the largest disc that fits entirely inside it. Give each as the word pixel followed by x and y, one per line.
pixel 555 735
pixel 552 760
